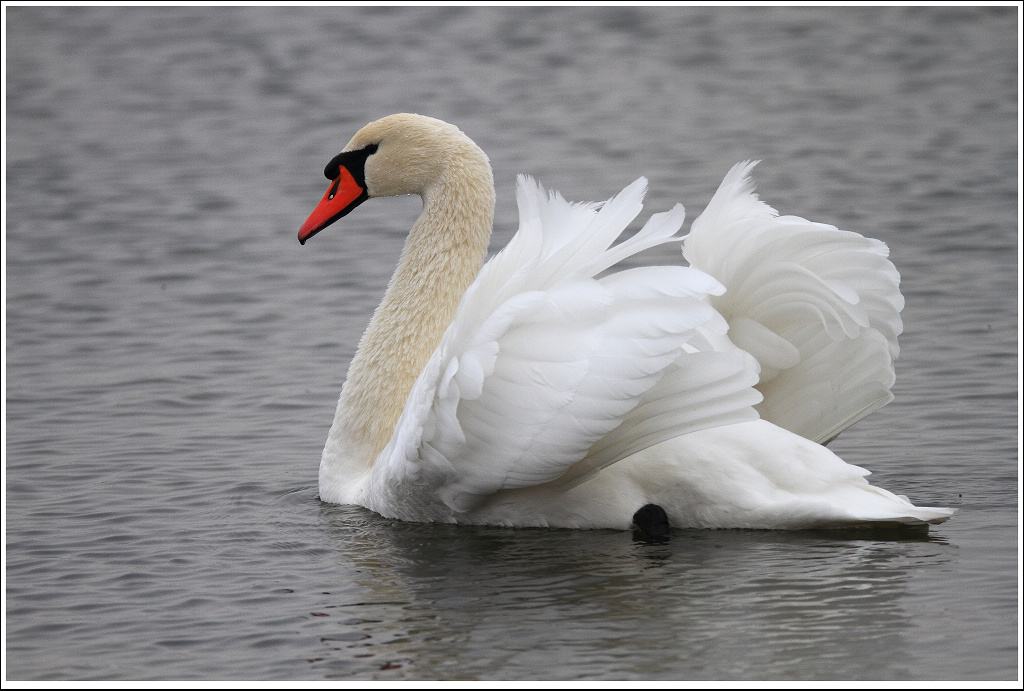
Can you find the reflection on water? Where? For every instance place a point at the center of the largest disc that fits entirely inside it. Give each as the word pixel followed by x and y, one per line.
pixel 174 356
pixel 737 600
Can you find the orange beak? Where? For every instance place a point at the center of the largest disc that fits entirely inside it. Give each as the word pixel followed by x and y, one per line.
pixel 343 195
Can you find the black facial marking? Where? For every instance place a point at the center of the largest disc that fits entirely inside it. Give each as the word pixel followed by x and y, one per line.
pixel 650 522
pixel 354 161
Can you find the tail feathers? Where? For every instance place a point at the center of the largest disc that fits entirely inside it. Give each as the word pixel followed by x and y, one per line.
pixel 758 475
pixel 873 505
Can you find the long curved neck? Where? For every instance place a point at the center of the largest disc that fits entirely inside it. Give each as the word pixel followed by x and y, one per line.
pixel 441 257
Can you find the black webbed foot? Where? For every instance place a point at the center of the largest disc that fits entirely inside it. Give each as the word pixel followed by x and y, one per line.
pixel 650 523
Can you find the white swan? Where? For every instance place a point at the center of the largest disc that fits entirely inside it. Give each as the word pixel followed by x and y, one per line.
pixel 541 391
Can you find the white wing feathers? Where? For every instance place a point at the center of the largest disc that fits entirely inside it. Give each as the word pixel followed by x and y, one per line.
pixel 818 307
pixel 697 391
pixel 543 362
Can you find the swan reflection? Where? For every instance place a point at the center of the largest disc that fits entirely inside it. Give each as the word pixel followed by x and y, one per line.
pixel 434 599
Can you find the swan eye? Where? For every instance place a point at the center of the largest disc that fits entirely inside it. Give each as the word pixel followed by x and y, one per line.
pixel 353 160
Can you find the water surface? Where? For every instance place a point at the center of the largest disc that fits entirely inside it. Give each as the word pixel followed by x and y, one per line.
pixel 174 356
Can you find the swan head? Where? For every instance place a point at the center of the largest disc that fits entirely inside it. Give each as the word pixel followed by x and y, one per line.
pixel 396 155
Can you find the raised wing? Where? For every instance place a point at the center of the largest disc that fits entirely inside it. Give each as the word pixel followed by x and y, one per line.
pixel 544 363
pixel 817 306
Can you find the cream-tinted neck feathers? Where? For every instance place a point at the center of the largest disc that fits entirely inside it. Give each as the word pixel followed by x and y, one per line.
pixel 441 257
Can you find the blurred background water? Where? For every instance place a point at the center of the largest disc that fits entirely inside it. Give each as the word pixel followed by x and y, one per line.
pixel 174 356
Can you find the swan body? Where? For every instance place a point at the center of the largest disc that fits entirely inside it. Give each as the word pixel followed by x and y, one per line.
pixel 546 389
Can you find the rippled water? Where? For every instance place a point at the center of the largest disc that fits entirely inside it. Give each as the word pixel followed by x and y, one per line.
pixel 174 356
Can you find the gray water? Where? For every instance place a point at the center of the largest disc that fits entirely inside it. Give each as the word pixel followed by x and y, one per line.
pixel 174 356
